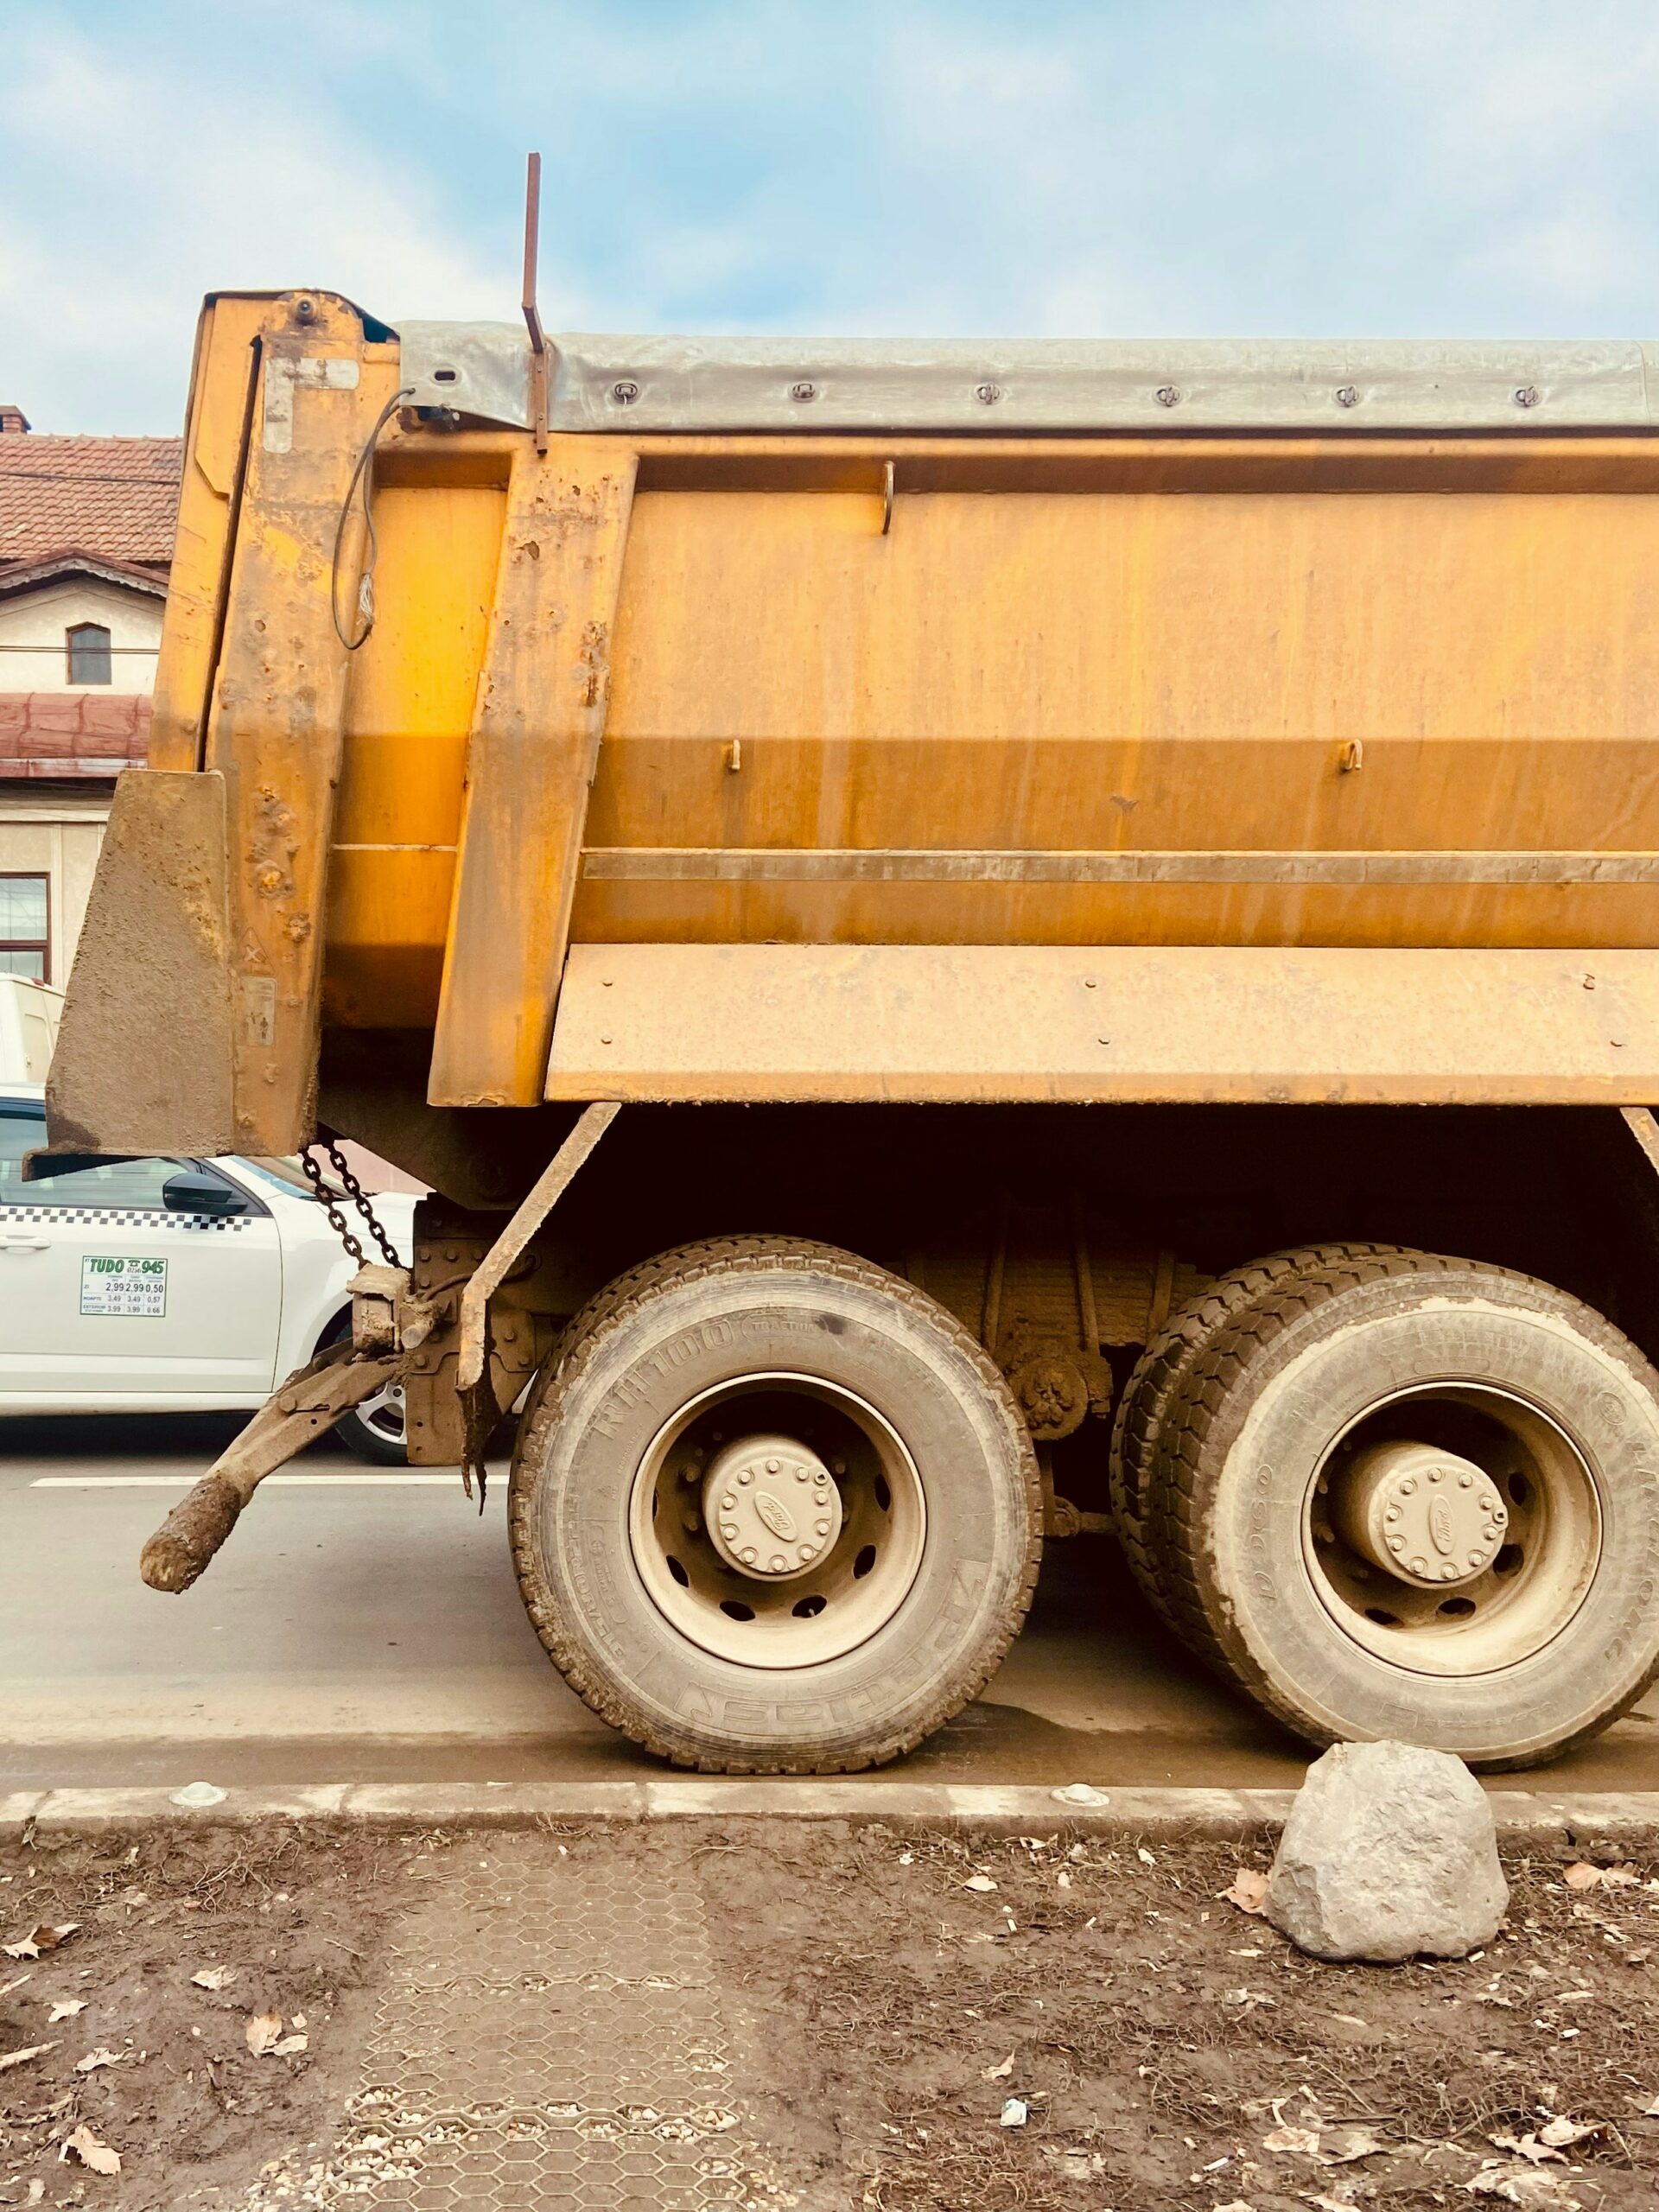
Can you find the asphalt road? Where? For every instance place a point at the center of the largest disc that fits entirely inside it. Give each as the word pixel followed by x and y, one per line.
pixel 362 1625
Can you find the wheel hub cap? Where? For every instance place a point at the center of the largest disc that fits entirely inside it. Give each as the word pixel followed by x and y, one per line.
pixel 771 1507
pixel 1428 1516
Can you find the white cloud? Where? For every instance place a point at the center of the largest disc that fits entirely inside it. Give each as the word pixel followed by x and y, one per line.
pixel 128 200
pixel 955 166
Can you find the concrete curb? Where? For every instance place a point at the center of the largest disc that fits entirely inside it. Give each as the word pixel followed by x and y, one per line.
pixel 1217 1814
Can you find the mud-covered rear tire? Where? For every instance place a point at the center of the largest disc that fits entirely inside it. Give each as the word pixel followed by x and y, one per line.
pixel 723 1667
pixel 1279 1443
pixel 1138 1426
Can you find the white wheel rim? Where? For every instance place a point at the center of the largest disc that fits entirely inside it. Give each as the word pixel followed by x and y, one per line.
pixel 384 1414
pixel 1513 1609
pixel 843 1599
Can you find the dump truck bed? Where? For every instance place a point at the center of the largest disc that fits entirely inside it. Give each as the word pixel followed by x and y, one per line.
pixel 1314 690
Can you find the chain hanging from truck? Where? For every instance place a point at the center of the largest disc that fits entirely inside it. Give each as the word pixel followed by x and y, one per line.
pixel 355 1191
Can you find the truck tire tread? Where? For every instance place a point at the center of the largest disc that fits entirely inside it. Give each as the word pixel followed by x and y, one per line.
pixel 1137 1429
pixel 1178 1499
pixel 605 1312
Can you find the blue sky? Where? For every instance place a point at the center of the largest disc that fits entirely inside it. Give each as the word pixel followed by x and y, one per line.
pixel 949 168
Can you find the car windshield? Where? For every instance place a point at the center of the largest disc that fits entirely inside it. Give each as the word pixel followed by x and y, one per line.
pixel 288 1175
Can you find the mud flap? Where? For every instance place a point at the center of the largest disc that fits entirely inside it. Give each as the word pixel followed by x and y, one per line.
pixel 144 1055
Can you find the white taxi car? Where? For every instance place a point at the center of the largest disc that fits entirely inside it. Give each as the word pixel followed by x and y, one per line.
pixel 171 1285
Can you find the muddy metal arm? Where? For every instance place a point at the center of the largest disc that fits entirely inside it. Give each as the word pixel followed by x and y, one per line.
pixel 307 1404
pixel 389 1326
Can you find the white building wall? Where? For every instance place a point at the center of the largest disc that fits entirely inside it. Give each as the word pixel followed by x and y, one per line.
pixel 34 646
pixel 58 838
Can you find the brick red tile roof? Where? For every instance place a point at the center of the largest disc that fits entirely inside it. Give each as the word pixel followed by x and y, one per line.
pixel 69 733
pixel 113 497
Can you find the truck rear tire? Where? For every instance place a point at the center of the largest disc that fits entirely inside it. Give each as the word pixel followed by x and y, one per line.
pixel 1418 1497
pixel 1138 1427
pixel 773 1510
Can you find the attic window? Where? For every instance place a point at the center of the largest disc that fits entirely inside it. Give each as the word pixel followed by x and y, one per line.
pixel 88 645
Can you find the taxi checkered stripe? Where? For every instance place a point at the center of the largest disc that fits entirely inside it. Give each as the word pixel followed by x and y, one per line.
pixel 123 1217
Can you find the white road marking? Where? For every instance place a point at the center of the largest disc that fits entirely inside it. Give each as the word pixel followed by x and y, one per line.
pixel 295 1482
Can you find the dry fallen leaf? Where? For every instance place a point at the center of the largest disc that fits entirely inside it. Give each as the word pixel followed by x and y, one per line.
pixel 981 1882
pixel 1525 2186
pixel 1619 1878
pixel 289 2045
pixel 1339 2146
pixel 999 2073
pixel 90 2152
pixel 1287 2138
pixel 1074 2162
pixel 263 2033
pixel 1527 2146
pixel 1559 2133
pixel 213 1977
pixel 67 2009
pixel 38 1940
pixel 16 2058
pixel 36 2191
pixel 1249 1891
pixel 1581 1876
pixel 94 2059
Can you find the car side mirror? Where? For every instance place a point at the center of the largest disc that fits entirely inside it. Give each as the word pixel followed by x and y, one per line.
pixel 191 1191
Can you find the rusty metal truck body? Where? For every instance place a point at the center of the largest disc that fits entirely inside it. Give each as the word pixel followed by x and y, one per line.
pixel 1023 833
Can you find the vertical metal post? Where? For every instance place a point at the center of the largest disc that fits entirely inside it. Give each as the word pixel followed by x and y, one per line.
pixel 532 313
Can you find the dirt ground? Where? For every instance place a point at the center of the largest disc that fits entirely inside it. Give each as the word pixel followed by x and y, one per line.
pixel 922 2024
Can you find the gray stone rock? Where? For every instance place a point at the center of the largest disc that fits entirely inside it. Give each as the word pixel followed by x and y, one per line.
pixel 1390 1852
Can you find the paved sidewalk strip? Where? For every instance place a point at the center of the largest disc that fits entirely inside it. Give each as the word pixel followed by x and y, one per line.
pixel 552 2034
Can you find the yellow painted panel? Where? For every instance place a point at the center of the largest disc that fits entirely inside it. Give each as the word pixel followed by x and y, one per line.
pixel 1312 1027
pixel 415 680
pixel 1161 792
pixel 1588 916
pixel 387 913
pixel 413 686
pixel 1136 615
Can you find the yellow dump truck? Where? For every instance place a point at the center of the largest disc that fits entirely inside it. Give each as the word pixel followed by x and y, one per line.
pixel 977 943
